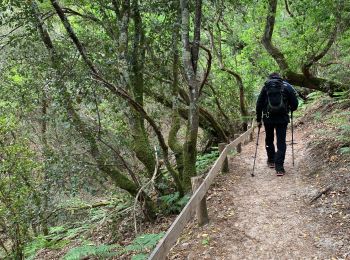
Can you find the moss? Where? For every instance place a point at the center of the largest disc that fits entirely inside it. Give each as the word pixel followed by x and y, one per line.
pixel 190 155
pixel 142 149
pixel 174 143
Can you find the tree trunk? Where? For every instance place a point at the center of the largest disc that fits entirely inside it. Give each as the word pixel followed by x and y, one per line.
pixel 190 61
pixel 132 76
pixel 173 141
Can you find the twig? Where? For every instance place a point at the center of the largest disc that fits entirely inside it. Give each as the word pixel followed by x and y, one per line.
pixel 319 194
pixel 151 181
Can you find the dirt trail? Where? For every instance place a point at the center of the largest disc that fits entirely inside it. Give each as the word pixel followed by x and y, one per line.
pixel 265 217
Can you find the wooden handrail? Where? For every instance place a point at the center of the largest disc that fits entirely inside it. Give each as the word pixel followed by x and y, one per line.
pixel 164 245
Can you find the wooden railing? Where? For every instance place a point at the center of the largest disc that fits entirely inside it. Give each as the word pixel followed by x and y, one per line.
pixel 163 247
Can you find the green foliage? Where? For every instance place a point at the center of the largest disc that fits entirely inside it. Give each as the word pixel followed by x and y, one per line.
pixel 172 203
pixel 19 197
pixel 344 135
pixel 316 95
pixel 342 96
pixel 142 243
pixel 204 161
pixel 139 257
pixel 344 150
pixel 36 178
pixel 44 242
pixel 58 238
pixel 100 251
pixel 205 241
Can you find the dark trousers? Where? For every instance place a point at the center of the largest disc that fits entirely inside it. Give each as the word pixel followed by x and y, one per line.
pixel 272 155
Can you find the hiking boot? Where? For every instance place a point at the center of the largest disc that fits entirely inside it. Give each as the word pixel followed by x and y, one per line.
pixel 280 172
pixel 271 165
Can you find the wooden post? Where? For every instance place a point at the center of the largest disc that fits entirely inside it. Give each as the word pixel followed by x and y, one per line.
pixel 201 209
pixel 239 146
pixel 246 140
pixel 251 135
pixel 225 168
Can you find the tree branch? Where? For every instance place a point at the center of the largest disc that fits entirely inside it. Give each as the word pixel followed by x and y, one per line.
pixel 287 8
pixel 316 57
pixel 206 74
pixel 197 35
pixel 266 41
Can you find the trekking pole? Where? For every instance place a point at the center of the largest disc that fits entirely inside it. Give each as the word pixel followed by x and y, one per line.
pixel 256 151
pixel 291 120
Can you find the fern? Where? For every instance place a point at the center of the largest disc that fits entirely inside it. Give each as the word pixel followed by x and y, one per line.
pixel 37 244
pixel 314 95
pixel 204 161
pixel 345 128
pixel 172 203
pixel 57 229
pixel 101 251
pixel 139 257
pixel 341 96
pixel 344 150
pixel 145 241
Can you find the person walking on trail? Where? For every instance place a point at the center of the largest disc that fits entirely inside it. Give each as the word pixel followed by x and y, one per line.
pixel 276 99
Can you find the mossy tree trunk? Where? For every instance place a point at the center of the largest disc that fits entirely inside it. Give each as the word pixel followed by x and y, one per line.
pixel 132 77
pixel 173 141
pixel 190 56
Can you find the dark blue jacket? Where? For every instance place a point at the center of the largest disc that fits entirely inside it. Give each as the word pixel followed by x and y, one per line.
pixel 261 106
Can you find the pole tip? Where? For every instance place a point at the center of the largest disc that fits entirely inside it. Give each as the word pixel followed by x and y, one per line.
pixel 252 175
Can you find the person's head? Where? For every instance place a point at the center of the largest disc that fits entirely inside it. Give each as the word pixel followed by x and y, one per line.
pixel 274 75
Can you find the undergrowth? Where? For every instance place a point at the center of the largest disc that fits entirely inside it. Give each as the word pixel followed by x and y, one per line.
pixel 173 203
pixel 332 116
pixel 139 248
pixel 205 161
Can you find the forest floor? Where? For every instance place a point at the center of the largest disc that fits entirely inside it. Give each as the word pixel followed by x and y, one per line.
pixel 270 217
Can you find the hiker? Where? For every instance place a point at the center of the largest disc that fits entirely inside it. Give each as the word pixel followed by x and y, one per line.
pixel 276 99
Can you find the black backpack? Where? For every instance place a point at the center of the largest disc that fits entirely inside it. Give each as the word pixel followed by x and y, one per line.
pixel 276 97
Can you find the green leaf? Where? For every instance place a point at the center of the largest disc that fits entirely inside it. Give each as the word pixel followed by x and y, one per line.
pixel 139 257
